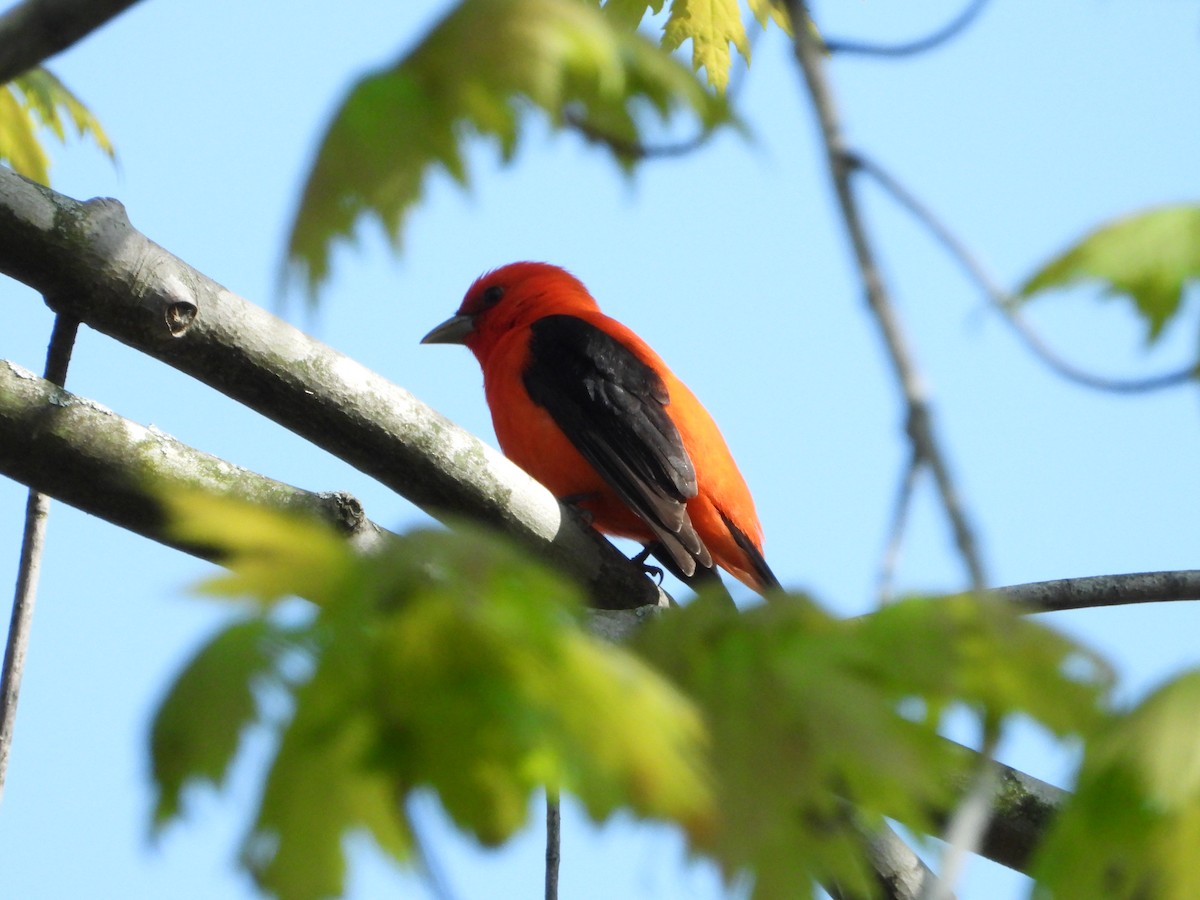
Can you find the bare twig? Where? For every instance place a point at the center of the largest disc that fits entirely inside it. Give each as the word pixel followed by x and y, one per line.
pixel 1003 301
pixel 33 31
pixel 553 844
pixel 37 511
pixel 965 831
pixel 891 552
pixel 920 428
pixel 911 48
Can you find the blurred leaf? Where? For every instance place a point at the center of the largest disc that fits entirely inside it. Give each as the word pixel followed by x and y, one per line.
pixel 451 662
pixel 275 555
pixel 805 715
pixel 1132 827
pixel 1149 257
pixel 36 100
pixel 198 725
pixel 476 73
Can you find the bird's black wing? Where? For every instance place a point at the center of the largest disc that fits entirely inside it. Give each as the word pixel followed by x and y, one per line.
pixel 612 407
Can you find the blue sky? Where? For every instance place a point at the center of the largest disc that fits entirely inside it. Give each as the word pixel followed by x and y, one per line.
pixel 1041 121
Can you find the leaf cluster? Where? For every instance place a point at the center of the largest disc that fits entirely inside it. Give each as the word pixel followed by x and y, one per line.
pixel 448 662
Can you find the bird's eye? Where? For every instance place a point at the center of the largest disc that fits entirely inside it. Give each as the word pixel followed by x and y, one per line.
pixel 491 296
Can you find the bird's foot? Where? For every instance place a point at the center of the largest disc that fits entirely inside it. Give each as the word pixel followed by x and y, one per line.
pixel 653 571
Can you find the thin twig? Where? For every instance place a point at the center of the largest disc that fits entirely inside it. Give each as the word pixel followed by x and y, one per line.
pixel 965 831
pixel 911 48
pixel 1004 302
pixel 891 551
pixel 37 509
pixel 809 54
pixel 553 844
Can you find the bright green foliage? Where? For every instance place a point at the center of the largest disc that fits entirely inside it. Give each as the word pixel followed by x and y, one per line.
pixel 1149 257
pixel 448 662
pixel 476 73
pixel 806 718
pixel 1133 827
pixel 39 100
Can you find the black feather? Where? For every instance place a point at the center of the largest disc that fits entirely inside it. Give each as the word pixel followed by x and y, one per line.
pixel 613 409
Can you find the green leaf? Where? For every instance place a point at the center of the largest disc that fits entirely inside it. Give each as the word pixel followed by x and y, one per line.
pixel 1131 828
pixel 450 661
pixel 199 723
pixel 1149 257
pixel 810 716
pixel 38 99
pixel 478 72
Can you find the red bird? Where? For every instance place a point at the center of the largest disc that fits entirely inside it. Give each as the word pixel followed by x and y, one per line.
pixel 584 405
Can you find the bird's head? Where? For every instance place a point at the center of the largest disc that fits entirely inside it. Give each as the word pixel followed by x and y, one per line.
pixel 509 298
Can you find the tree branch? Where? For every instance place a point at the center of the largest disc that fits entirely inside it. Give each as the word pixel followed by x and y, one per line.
pixel 951 30
pixel 809 53
pixel 87 260
pixel 33 31
pixel 1105 590
pixel 89 457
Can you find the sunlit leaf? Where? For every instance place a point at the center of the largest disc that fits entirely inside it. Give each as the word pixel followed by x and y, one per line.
pixel 38 100
pixel 1149 257
pixel 449 662
pixel 478 73
pixel 1132 827
pixel 711 26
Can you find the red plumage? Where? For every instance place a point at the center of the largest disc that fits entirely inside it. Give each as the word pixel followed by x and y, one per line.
pixel 587 408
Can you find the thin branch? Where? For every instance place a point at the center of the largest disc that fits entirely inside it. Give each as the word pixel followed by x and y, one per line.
pixel 88 260
pixel 33 31
pixel 969 823
pixel 891 551
pixel 1004 302
pixel 635 150
pixel 911 48
pixel 809 53
pixel 1105 590
pixel 553 844
pixel 33 542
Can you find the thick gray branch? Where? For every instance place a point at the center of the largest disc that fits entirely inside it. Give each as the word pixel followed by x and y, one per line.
pixel 33 31
pixel 88 260
pixel 83 454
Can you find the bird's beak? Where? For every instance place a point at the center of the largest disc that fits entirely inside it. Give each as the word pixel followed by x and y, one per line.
pixel 453 331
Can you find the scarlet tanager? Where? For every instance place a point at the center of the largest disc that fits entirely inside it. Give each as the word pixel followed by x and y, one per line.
pixel 584 405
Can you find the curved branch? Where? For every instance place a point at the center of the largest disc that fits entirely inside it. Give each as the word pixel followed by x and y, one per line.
pixel 911 48
pixel 925 445
pixel 88 260
pixel 33 31
pixel 1002 301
